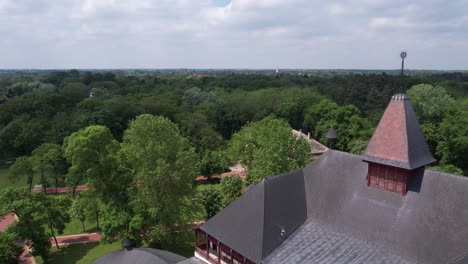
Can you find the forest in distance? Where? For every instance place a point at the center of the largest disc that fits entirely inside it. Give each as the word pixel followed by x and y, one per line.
pixel 210 106
pixel 138 140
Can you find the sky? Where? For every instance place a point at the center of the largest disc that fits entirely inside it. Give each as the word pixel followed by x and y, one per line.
pixel 300 34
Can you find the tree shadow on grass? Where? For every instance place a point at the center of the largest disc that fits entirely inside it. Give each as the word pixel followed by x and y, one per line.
pixel 71 253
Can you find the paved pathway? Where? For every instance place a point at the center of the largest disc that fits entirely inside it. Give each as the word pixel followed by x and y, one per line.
pixel 76 239
pixel 222 175
pixel 27 257
pixel 53 190
pixel 7 220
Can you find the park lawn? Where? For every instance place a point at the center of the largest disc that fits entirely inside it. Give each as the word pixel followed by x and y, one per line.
pixel 75 227
pixel 202 186
pixel 5 182
pixel 88 252
pixel 84 253
pixel 23 181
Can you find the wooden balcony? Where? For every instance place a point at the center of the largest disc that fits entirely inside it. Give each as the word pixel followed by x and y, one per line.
pixel 214 252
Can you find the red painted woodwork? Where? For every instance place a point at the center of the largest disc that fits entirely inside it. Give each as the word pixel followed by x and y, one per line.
pixel 390 140
pixel 388 178
pixel 220 250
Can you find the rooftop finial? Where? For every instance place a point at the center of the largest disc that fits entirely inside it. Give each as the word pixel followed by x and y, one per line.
pixel 402 85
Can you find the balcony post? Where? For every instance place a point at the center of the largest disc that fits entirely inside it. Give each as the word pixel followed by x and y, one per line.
pixel 218 249
pixel 207 246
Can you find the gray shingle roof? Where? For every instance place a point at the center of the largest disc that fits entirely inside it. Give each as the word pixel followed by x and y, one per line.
pixel 338 213
pixel 314 242
pixel 140 256
pixel 429 224
pixel 252 225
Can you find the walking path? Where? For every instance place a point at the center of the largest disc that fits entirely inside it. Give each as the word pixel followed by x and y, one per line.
pixel 53 190
pixel 27 257
pixel 76 239
pixel 7 220
pixel 222 175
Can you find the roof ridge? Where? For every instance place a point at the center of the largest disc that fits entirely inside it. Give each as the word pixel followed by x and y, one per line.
pixel 262 235
pixel 465 178
pixel 405 116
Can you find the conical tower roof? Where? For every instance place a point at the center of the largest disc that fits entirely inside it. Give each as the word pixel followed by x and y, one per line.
pixel 331 134
pixel 398 140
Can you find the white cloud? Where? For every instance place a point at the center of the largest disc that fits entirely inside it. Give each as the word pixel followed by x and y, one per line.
pixel 242 33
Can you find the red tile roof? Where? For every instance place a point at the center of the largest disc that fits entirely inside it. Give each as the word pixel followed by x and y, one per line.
pixel 398 140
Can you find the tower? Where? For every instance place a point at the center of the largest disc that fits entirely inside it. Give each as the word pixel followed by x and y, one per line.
pixel 397 148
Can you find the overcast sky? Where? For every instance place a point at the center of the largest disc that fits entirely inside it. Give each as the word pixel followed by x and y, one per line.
pixel 359 34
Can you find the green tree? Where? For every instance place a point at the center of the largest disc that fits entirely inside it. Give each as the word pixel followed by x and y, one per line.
pixel 56 209
pixel 347 121
pixel 231 189
pixel 10 248
pixel 118 223
pixel 448 169
pixel 358 146
pixel 453 145
pixel 214 162
pixel 78 209
pixel 430 103
pixel 91 153
pixel 49 157
pixel 212 201
pixel 267 148
pixel 30 208
pixel 22 167
pixel 40 164
pixel 164 165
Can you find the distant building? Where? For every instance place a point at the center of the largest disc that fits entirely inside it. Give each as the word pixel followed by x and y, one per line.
pixel 381 207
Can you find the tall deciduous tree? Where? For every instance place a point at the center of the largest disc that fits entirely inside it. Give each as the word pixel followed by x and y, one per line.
pixel 268 147
pixel 30 208
pixel 346 120
pixel 165 166
pixel 91 153
pixel 430 103
pixel 231 188
pixel 49 157
pixel 453 145
pixel 56 208
pixel 22 167
pixel 10 249
pixel 212 201
pixel 78 209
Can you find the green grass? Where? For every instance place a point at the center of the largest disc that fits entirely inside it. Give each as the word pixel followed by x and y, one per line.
pixel 23 181
pixel 201 187
pixel 5 182
pixel 75 227
pixel 88 252
pixel 80 253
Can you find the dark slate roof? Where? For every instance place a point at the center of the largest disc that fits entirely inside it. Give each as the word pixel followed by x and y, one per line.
pixel 320 243
pixel 428 225
pixel 140 256
pixel 263 217
pixel 346 221
pixel 398 140
pixel 192 260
